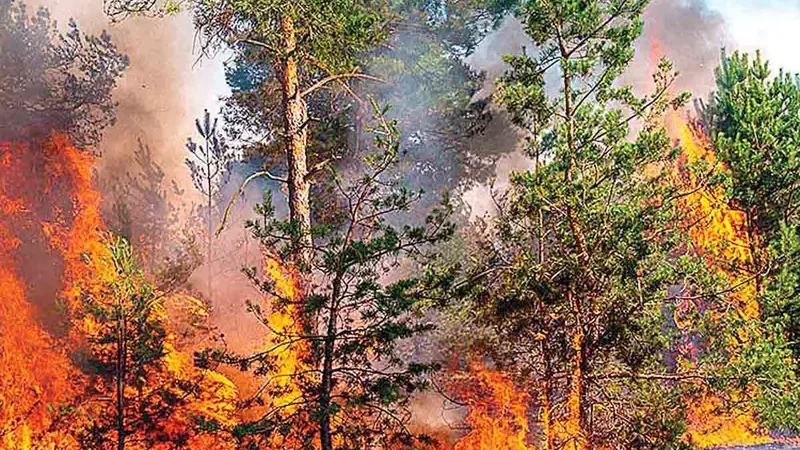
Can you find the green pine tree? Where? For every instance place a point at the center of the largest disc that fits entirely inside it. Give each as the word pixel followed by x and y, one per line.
pixel 581 272
pixel 754 121
pixel 354 383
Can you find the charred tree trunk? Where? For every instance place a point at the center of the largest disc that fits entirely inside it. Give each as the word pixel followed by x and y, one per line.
pixel 296 135
pixel 121 357
pixel 326 386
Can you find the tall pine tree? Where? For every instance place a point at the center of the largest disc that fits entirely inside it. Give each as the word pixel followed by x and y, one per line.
pixel 580 273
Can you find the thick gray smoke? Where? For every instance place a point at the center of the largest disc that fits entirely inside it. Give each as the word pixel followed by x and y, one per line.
pixel 166 86
pixel 690 35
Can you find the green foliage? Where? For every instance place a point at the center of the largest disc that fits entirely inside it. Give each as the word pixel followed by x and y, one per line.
pixel 132 307
pixel 330 34
pixel 422 75
pixel 587 247
pixel 134 385
pixel 353 320
pixel 754 120
pixel 126 349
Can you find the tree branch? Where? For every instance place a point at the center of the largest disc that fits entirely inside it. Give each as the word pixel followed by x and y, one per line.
pixel 262 173
pixel 319 84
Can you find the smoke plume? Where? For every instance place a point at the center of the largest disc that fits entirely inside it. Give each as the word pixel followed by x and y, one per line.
pixel 166 85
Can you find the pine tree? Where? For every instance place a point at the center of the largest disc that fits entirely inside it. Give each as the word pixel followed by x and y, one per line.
pixel 209 168
pixel 310 45
pixel 579 274
pixel 754 121
pixel 350 385
pixel 142 394
pixel 311 55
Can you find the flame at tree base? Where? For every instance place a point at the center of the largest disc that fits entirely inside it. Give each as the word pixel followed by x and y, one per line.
pixel 53 255
pixel 718 235
pixel 497 412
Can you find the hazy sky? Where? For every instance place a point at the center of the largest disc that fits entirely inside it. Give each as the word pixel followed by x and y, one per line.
pixel 770 25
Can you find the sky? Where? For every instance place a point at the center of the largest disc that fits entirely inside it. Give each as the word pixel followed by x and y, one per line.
pixel 772 26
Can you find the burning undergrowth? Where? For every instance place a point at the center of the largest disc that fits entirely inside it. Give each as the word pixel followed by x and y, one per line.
pixel 58 342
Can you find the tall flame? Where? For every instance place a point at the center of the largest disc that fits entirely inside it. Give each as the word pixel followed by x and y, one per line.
pixel 284 322
pixel 497 416
pixel 289 351
pixel 52 255
pixel 40 192
pixel 717 234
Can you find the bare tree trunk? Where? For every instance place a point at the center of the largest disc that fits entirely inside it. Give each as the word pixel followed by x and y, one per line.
pixel 209 230
pixel 296 135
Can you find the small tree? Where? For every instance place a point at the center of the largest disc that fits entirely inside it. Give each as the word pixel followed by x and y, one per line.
pixel 141 394
pixel 127 348
pixel 346 326
pixel 209 168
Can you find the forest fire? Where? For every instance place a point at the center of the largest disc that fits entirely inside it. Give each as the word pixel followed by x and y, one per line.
pixel 285 390
pixel 46 202
pixel 718 235
pixel 51 219
pixel 276 281
pixel 497 412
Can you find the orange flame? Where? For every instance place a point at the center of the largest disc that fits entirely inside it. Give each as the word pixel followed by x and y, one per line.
pixel 50 223
pixel 37 376
pixel 497 415
pixel 290 362
pixel 717 234
pixel 284 322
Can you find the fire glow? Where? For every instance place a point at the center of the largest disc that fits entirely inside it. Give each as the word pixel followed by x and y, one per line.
pixel 54 254
pixel 717 234
pixel 50 212
pixel 60 211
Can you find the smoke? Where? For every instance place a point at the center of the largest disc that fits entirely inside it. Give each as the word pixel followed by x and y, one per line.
pixel 764 25
pixel 690 35
pixel 166 85
pixel 685 31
